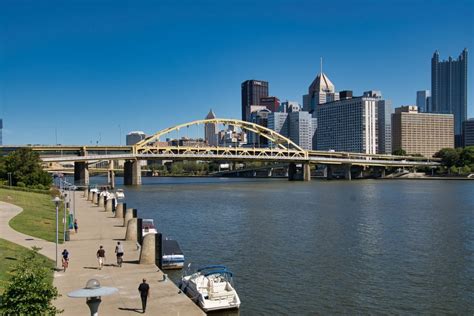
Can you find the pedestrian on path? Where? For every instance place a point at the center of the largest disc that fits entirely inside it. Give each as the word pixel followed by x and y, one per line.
pixel 144 290
pixel 65 259
pixel 119 252
pixel 101 257
pixel 75 226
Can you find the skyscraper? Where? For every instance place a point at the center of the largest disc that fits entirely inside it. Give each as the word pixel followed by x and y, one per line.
pixel 423 99
pixel 320 91
pixel 271 103
pixel 210 130
pixel 252 92
pixel 449 89
pixel 134 137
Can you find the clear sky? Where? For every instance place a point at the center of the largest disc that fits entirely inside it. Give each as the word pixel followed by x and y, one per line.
pixel 92 71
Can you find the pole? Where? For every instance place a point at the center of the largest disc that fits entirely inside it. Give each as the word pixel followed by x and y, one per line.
pixel 74 207
pixel 64 219
pixel 57 232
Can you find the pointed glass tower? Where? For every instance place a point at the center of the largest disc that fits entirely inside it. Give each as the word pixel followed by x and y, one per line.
pixel 210 130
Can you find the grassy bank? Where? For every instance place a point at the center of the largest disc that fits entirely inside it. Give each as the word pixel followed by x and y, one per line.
pixel 38 218
pixel 10 253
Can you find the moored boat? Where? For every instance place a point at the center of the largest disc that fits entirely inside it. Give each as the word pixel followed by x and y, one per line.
pixel 119 194
pixel 211 288
pixel 173 257
pixel 148 227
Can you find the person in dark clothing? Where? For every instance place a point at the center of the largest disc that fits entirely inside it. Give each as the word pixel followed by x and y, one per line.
pixel 65 259
pixel 75 226
pixel 144 290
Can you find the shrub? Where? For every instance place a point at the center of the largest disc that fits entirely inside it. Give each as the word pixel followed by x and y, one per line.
pixel 29 291
pixel 20 184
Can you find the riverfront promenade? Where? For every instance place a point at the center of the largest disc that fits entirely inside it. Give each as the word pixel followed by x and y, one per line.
pixel 97 227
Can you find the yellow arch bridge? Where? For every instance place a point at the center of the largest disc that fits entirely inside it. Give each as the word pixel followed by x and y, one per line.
pixel 280 149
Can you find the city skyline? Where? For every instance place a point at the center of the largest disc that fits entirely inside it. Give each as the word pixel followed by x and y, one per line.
pixel 114 69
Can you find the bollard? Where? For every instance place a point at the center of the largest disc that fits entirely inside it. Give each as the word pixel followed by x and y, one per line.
pixel 108 205
pixel 85 193
pixel 147 254
pixel 119 211
pixel 131 233
pixel 95 198
pixel 89 196
pixel 128 216
pixel 101 201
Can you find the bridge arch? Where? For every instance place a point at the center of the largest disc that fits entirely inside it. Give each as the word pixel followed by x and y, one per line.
pixel 281 142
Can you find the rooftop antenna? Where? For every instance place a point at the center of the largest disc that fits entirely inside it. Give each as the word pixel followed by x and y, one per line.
pixel 321 65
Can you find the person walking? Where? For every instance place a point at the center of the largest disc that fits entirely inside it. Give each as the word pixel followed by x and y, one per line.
pixel 119 253
pixel 144 290
pixel 65 259
pixel 101 257
pixel 75 226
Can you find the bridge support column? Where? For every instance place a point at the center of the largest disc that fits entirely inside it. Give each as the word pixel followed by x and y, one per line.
pixel 111 175
pixel 132 173
pixel 347 172
pixel 306 172
pixel 382 172
pixel 328 172
pixel 81 173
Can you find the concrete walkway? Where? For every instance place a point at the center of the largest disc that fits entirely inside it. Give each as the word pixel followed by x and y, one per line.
pixel 7 212
pixel 97 227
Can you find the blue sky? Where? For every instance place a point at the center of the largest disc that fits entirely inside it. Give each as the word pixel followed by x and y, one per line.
pixel 95 70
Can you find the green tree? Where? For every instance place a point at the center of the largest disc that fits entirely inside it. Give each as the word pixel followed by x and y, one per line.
pixel 467 156
pixel 399 152
pixel 25 166
pixel 30 291
pixel 449 157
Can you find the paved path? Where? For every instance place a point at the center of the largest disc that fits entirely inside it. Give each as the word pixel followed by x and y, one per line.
pixel 7 212
pixel 97 227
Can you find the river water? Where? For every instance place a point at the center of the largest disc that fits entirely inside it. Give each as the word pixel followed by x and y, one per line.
pixel 325 247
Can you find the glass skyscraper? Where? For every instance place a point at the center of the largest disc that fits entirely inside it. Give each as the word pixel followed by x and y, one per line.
pixel 449 89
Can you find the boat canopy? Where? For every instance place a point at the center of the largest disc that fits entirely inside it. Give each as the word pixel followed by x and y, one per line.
pixel 220 267
pixel 220 271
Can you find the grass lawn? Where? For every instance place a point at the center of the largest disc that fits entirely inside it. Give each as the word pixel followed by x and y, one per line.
pixel 38 218
pixel 9 254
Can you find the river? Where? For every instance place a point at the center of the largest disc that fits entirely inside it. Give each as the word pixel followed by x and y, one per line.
pixel 325 247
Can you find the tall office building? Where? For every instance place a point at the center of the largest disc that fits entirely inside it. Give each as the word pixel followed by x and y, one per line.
pixel 449 89
pixel 289 106
pixel 320 91
pixel 271 103
pixel 384 126
pixel 1 132
pixel 134 137
pixel 252 92
pixel 468 132
pixel 353 124
pixel 260 117
pixel 299 126
pixel 421 133
pixel 210 130
pixel 423 99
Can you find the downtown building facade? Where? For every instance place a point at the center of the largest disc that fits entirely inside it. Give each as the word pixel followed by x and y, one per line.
pixel 210 130
pixel 449 89
pixel 358 124
pixel 299 126
pixel 320 91
pixel 421 133
pixel 252 92
pixel 468 132
pixel 134 137
pixel 423 101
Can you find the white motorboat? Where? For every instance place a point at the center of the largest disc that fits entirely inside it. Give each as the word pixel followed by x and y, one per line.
pixel 148 227
pixel 211 288
pixel 119 194
pixel 173 257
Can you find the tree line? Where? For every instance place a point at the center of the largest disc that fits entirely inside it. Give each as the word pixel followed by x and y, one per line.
pixel 23 168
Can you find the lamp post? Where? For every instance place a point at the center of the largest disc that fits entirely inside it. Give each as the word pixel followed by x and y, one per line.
pixel 66 204
pixel 56 202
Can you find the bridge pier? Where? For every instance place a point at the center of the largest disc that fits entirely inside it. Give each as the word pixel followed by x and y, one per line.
pixel 81 173
pixel 304 175
pixel 132 173
pixel 328 172
pixel 347 172
pixel 111 175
